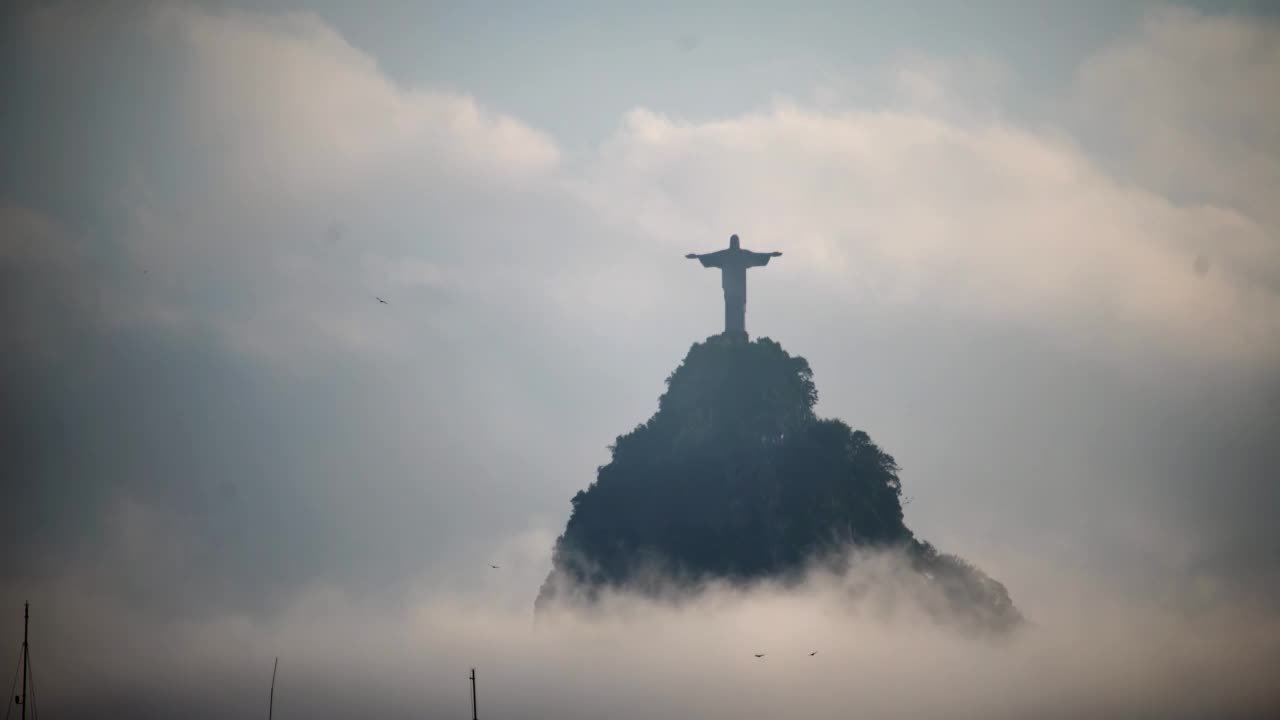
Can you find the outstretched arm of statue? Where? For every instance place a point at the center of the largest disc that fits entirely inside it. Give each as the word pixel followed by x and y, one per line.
pixel 775 253
pixel 692 256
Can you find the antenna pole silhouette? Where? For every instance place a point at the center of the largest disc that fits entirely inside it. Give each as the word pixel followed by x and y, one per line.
pixel 26 615
pixel 473 695
pixel 271 699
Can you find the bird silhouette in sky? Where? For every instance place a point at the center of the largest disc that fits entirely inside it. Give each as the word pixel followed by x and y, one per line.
pixel 384 302
pixel 759 655
pixel 815 652
pixel 495 567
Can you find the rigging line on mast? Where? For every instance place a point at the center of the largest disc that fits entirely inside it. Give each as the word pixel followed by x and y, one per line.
pixel 13 696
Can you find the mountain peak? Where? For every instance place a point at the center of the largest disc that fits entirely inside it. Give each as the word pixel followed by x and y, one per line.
pixel 735 478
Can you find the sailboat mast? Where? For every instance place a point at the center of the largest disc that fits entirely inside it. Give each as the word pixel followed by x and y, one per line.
pixel 473 694
pixel 26 618
pixel 271 700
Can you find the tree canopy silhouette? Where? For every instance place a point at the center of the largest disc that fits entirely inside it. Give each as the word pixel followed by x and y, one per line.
pixel 735 478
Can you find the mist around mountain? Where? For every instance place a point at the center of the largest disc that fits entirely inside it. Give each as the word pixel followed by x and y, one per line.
pixel 736 480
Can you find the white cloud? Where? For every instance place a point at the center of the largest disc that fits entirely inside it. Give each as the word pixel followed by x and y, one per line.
pixel 1090 654
pixel 278 130
pixel 935 203
pixel 290 107
pixel 983 217
pixel 1188 106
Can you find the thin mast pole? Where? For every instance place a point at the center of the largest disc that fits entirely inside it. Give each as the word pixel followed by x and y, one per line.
pixel 271 699
pixel 26 616
pixel 473 695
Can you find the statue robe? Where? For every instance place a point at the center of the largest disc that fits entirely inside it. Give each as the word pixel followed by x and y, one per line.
pixel 733 263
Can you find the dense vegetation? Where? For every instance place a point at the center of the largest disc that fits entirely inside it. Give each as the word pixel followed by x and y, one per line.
pixel 735 478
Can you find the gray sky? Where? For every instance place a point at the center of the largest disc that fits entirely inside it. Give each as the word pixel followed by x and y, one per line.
pixel 1032 248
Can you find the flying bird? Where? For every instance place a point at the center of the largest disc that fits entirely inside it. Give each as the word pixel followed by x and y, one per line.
pixel 759 655
pixel 495 567
pixel 384 302
pixel 815 652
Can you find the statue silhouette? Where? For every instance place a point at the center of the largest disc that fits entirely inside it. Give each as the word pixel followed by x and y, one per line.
pixel 733 263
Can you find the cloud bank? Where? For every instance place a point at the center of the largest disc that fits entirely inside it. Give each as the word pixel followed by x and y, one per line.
pixel 883 656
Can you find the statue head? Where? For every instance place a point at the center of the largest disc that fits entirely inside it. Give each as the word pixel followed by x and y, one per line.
pixel 733 242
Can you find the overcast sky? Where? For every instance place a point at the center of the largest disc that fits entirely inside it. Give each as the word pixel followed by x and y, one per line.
pixel 1032 248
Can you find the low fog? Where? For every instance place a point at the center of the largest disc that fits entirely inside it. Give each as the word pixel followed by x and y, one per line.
pixel 1085 653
